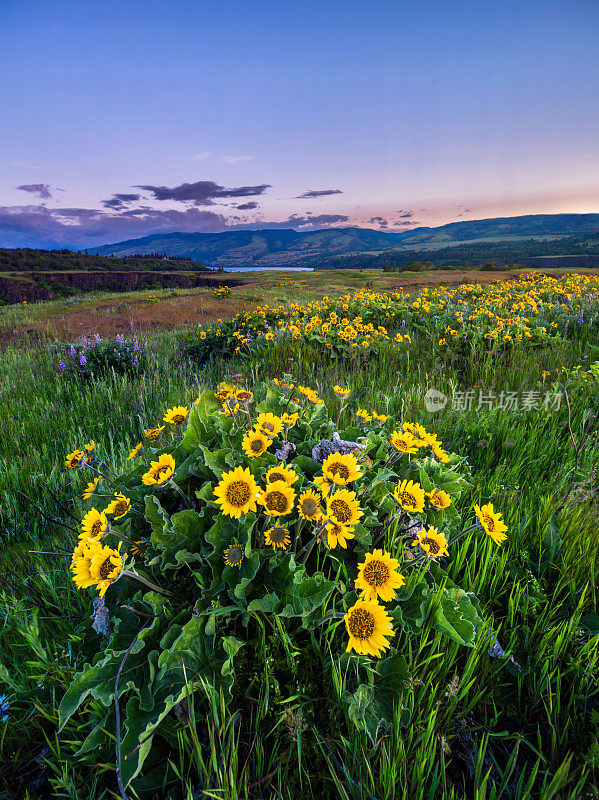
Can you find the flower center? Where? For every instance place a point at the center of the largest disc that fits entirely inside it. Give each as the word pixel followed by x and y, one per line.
pixel 96 528
pixel 407 499
pixel 376 573
pixel 433 546
pixel 120 508
pixel 178 419
pixel 238 493
pixel 243 397
pixel 309 506
pixel 107 568
pixel 160 471
pixel 489 522
pixel 278 535
pixel 339 469
pixel 276 501
pixel 268 426
pixel 361 623
pixel 341 510
pixel 256 445
pixel 276 476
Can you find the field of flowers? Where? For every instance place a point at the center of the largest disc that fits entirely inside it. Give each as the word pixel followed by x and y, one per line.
pixel 344 547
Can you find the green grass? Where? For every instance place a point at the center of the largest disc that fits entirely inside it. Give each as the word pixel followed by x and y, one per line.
pixel 479 727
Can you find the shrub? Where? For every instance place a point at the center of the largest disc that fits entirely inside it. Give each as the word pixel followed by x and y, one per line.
pixel 91 359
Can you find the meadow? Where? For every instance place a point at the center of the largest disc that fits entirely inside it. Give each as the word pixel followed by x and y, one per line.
pixel 231 670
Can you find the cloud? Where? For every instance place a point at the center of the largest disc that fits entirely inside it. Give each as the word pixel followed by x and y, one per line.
pixel 312 193
pixel 201 156
pixel 405 214
pixel 119 201
pixel 202 193
pixel 42 190
pixel 236 159
pixel 247 206
pixel 404 223
pixel 314 220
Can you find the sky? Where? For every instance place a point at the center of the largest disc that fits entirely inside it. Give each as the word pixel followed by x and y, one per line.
pixel 122 120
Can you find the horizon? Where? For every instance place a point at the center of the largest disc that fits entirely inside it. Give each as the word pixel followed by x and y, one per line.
pixel 205 120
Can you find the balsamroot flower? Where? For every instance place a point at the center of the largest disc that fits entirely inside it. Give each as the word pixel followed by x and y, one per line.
pixel 378 576
pixel 410 496
pixel 343 507
pixel 432 542
pixel 160 471
pixel 491 522
pixel 176 415
pixel 277 537
pixel 255 443
pixel 119 507
pixel 281 473
pixel 341 469
pixel 278 499
pixel 368 626
pixel 237 492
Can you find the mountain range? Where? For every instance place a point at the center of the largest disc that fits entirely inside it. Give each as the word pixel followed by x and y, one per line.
pixel 285 247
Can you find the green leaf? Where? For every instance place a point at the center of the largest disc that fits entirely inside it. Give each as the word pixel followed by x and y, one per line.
pixel 373 705
pixel 457 617
pixel 412 606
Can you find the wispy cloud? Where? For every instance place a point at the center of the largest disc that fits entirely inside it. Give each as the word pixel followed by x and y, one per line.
pixel 119 201
pixel 42 190
pixel 247 206
pixel 202 193
pixel 201 156
pixel 235 159
pixel 314 193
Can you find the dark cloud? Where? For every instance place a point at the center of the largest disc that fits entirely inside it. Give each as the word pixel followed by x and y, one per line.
pixel 312 193
pixel 247 206
pixel 406 214
pixel 202 193
pixel 40 189
pixel 404 223
pixel 315 221
pixel 118 201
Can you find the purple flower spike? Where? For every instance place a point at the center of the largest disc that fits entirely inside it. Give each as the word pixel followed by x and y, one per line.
pixel 135 345
pixel 62 365
pixel 82 360
pixel 97 338
pixel 119 339
pixel 135 361
pixel 73 351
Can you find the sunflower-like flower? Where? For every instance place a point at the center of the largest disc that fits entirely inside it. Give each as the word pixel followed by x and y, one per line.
pixel 255 443
pixel 338 534
pixel 368 626
pixel 410 496
pixel 278 499
pixel 244 396
pixel 75 459
pixel 91 488
pixel 341 469
pixel 404 442
pixel 324 487
pixel 491 522
pixel 277 537
pixel 236 492
pixel 234 555
pixel 224 391
pixel 89 447
pixel 439 498
pixel 106 567
pixel 363 414
pixel 119 506
pixel 380 418
pixel 309 505
pixel 269 425
pixel 81 562
pixel 343 507
pixel 289 420
pixel 282 473
pixel 153 433
pixel 176 415
pixel 94 525
pixel 160 471
pixel 432 542
pixel 341 392
pixel 378 576
pixel 134 451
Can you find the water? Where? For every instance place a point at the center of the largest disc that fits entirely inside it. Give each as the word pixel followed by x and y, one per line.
pixel 269 269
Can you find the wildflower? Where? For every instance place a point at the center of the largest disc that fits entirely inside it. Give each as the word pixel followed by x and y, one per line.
pixel 281 473
pixel 72 351
pixel 224 391
pixel 404 442
pixel 255 443
pixel 176 415
pixel 97 338
pixel 74 460
pixel 491 522
pixel 309 505
pixel 269 425
pixel 234 555
pixel 244 396
pixel 153 433
pixel 337 534
pixel 341 469
pixel 89 447
pixel 118 339
pixel 363 414
pixel 343 507
pixel 135 450
pixel 236 492
pixel 439 498
pixel 368 626
pixel 277 537
pixel 378 576
pixel 120 506
pixel 90 488
pixel 410 496
pixel 278 499
pixel 160 471
pixel 82 360
pixel 341 392
pixel 324 487
pixel 135 345
pixel 4 708
pixel 94 525
pixel 289 419
pixel 135 361
pixel 98 565
pixel 381 418
pixel 432 542
pixel 62 365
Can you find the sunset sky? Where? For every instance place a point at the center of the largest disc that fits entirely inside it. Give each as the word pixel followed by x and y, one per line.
pixel 121 120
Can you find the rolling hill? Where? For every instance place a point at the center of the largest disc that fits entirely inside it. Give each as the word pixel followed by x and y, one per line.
pixel 287 247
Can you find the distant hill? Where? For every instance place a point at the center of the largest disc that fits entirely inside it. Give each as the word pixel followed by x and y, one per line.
pixel 25 259
pixel 287 247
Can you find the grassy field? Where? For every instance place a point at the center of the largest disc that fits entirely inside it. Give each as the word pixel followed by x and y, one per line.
pixel 516 720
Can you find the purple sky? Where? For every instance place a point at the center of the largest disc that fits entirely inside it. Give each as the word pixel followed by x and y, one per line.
pixel 119 121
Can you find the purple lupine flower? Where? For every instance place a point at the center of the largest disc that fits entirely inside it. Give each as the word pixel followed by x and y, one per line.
pixel 73 351
pixel 82 360
pixel 62 365
pixel 403 323
pixel 97 338
pixel 135 361
pixel 118 339
pixel 135 345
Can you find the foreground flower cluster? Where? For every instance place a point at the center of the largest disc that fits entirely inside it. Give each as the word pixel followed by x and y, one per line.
pixel 236 510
